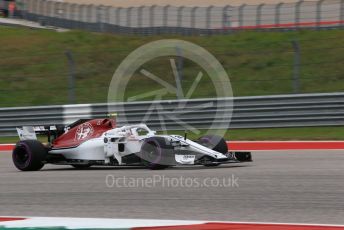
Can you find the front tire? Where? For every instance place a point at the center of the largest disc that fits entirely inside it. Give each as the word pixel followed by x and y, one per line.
pixel 29 155
pixel 156 153
pixel 215 143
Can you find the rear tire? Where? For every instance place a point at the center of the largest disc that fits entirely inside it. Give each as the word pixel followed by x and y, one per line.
pixel 29 155
pixel 156 153
pixel 215 143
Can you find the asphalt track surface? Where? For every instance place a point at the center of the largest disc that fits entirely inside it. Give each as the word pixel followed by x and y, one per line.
pixel 294 186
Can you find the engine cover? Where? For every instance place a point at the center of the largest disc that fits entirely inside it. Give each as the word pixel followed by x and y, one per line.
pixel 83 132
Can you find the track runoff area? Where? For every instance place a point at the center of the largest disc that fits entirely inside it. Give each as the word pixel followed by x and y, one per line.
pixel 288 182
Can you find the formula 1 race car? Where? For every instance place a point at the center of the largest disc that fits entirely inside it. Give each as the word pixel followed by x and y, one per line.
pixel 98 142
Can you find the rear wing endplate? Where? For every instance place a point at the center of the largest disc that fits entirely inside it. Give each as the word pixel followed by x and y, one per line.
pixel 26 133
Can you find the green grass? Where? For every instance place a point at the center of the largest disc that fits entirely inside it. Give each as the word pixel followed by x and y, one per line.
pixel 34 69
pixel 309 133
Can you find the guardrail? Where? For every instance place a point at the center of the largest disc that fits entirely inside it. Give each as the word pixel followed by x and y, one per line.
pixel 299 110
pixel 184 20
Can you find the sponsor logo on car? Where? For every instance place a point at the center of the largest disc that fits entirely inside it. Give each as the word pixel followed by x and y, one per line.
pixel 84 130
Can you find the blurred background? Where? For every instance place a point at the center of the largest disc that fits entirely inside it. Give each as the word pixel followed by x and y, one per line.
pixel 291 47
pixel 66 52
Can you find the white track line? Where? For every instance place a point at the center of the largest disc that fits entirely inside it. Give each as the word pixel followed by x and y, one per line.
pixel 78 223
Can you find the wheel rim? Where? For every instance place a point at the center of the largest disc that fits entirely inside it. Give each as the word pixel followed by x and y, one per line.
pixel 21 156
pixel 152 153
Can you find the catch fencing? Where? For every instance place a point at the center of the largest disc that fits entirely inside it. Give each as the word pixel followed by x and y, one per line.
pixel 299 110
pixel 145 20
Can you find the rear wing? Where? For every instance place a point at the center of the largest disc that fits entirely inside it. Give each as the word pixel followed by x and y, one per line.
pixel 31 132
pixel 26 133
